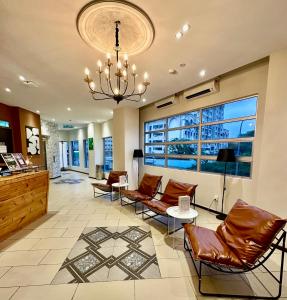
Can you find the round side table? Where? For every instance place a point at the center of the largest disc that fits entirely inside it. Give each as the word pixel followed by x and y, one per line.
pixel 176 213
pixel 119 186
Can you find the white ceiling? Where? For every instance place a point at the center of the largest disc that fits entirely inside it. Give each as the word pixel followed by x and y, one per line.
pixel 39 39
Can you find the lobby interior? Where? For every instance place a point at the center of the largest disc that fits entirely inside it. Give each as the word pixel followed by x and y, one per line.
pixel 139 147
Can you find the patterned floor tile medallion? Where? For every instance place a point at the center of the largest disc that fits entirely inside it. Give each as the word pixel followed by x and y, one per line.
pixel 110 253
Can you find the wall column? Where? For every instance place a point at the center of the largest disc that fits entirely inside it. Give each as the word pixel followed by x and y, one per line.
pixel 272 187
pixel 125 140
pixel 95 155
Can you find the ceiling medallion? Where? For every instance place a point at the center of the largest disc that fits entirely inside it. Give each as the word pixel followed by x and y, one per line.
pixel 95 23
pixel 114 79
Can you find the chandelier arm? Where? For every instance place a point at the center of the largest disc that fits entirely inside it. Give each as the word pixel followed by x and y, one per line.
pixel 138 94
pixel 127 84
pixel 132 93
pixel 110 81
pixel 133 100
pixel 98 99
pixel 100 77
pixel 100 93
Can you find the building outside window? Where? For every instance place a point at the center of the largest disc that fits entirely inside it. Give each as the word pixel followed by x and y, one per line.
pixel 75 153
pixel 108 154
pixel 86 153
pixel 191 140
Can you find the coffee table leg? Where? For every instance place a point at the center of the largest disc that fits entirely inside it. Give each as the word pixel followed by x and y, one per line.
pixel 173 231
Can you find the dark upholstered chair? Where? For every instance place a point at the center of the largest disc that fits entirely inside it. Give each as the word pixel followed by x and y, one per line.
pixel 147 190
pixel 242 243
pixel 107 187
pixel 173 190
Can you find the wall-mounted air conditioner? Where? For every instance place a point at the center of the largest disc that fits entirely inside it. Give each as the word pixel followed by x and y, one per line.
pixel 165 102
pixel 202 90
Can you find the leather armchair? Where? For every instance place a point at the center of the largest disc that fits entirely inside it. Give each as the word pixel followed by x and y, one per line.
pixel 146 191
pixel 242 243
pixel 107 187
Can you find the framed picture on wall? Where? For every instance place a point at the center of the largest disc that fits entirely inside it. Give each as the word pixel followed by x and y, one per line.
pixel 33 140
pixel 91 143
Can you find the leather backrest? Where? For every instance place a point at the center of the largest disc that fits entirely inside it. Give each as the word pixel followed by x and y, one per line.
pixel 114 176
pixel 149 185
pixel 249 231
pixel 174 189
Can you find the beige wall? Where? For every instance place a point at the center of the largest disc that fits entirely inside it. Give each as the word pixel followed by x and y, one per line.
pixel 240 83
pixel 125 140
pixel 107 129
pixel 272 187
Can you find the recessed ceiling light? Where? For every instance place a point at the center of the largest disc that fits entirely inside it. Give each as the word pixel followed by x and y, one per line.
pixel 185 27
pixel 22 78
pixel 144 99
pixel 69 109
pixel 7 90
pixel 202 73
pixel 37 111
pixel 178 35
pixel 172 71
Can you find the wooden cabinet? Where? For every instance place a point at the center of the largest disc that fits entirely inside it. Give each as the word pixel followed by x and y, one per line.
pixel 23 199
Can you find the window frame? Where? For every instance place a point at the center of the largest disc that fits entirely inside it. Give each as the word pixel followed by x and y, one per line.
pixel 104 156
pixel 199 141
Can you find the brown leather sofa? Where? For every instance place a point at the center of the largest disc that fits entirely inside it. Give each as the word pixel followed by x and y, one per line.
pixel 173 190
pixel 107 187
pixel 147 190
pixel 243 242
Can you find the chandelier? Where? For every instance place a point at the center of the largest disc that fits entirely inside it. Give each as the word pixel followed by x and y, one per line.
pixel 116 81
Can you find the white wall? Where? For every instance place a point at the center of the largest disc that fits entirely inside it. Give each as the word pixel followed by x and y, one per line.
pixel 240 83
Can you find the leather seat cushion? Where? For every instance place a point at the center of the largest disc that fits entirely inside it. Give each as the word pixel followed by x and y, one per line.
pixel 174 189
pixel 157 206
pixel 207 245
pixel 249 231
pixel 149 185
pixel 134 195
pixel 102 187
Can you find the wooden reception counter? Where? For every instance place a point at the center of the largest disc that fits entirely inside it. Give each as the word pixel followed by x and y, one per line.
pixel 23 199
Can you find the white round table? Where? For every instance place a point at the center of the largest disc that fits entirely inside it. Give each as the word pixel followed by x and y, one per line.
pixel 119 186
pixel 176 213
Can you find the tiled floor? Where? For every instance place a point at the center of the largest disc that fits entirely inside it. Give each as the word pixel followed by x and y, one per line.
pixel 31 258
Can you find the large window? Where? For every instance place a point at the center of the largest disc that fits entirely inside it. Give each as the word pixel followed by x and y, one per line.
pixel 191 141
pixel 108 154
pixel 86 152
pixel 75 153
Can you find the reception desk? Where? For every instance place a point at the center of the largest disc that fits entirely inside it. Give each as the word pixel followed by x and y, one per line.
pixel 23 199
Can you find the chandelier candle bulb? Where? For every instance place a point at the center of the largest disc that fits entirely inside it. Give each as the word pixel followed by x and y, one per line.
pixel 99 63
pixel 92 85
pixel 145 76
pixel 140 88
pixel 87 72
pixel 116 91
pixel 126 57
pixel 119 64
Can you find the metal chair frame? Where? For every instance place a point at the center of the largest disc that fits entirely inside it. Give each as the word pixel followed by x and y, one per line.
pixel 232 270
pixel 156 214
pixel 134 203
pixel 107 193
